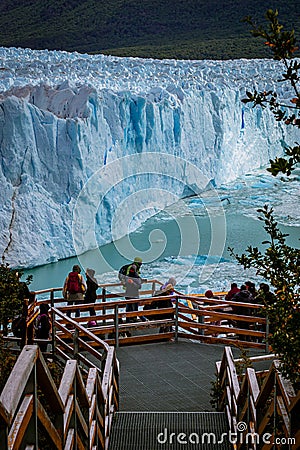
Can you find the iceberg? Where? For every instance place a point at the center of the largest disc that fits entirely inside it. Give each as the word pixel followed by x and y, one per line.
pixel 99 143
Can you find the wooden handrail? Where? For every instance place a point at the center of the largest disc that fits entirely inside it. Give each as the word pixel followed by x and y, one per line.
pixel 257 407
pixel 195 319
pixel 15 386
pixel 101 285
pixel 184 313
pixel 197 311
pixel 98 400
pixel 83 330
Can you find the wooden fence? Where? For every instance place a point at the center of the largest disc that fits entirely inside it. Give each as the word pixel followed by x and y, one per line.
pixel 191 317
pixel 263 412
pixel 34 413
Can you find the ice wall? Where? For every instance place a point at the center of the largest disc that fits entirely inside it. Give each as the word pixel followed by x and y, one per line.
pixel 64 117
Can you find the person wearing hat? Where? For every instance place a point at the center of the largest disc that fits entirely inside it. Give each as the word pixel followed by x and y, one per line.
pixel 210 295
pixel 138 262
pixel 124 271
pixel 91 291
pixel 165 289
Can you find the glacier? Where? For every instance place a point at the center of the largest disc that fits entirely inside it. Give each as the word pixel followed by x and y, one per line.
pixel 69 118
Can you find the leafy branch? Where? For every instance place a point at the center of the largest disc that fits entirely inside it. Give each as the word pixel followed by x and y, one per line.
pixel 12 292
pixel 283 46
pixel 280 265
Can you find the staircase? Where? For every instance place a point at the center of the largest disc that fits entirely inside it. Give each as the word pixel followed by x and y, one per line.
pixel 169 430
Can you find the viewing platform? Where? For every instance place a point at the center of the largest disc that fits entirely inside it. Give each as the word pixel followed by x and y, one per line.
pixel 145 384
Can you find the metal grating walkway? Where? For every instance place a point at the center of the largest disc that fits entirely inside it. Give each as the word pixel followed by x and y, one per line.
pixel 168 376
pixel 169 430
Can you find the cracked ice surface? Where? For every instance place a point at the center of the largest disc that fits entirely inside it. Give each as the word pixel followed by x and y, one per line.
pixel 64 117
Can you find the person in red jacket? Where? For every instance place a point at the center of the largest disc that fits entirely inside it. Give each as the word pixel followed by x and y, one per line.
pixel 74 288
pixel 233 290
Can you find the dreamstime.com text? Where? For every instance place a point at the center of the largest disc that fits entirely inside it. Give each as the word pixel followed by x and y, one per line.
pixel 172 438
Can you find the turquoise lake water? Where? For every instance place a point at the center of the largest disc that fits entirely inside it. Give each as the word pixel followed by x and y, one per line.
pixel 190 240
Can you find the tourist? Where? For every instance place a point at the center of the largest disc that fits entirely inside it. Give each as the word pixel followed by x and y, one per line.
pixel 91 291
pixel 251 288
pixel 124 271
pixel 244 296
pixel 209 294
pixel 166 289
pixel 132 283
pixel 266 298
pixel 43 326
pixel 233 290
pixel 74 288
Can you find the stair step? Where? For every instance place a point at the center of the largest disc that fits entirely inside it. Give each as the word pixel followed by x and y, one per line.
pixel 169 430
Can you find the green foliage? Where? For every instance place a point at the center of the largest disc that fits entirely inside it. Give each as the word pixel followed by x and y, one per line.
pixel 281 42
pixel 283 46
pixel 244 362
pixel 216 393
pixel 280 265
pixel 181 29
pixel 11 293
pixel 7 361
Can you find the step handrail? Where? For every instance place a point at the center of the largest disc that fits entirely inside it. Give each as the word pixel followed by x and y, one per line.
pixel 258 407
pixel 21 408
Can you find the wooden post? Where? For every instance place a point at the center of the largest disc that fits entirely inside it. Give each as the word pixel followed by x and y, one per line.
pixel 153 287
pixel 104 300
pixel 53 331
pixel 75 404
pixel 176 320
pixel 275 410
pixel 75 343
pixel 267 334
pixel 248 399
pixel 31 435
pixel 30 334
pixel 201 320
pixel 52 298
pixel 35 407
pixel 25 316
pixel 117 325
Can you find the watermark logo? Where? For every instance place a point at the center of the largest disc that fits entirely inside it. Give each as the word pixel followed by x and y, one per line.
pixel 241 427
pixel 242 436
pixel 126 191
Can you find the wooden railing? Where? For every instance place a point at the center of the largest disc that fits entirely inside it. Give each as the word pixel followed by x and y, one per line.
pixel 195 317
pixel 205 323
pixel 77 415
pixel 259 417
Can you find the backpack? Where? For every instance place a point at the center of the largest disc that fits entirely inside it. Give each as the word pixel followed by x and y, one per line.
pixel 43 327
pixel 74 283
pixel 123 272
pixel 18 326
